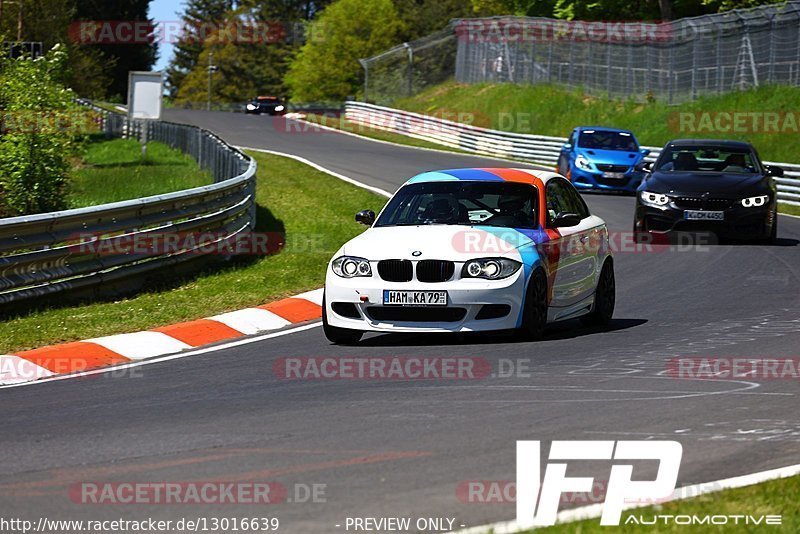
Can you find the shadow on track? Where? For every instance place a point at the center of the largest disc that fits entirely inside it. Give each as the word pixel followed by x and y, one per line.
pixel 566 330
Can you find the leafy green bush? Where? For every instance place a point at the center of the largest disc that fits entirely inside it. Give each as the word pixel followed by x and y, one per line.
pixel 41 129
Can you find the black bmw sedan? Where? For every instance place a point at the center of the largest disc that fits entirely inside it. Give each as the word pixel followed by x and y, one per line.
pixel 707 186
pixel 271 105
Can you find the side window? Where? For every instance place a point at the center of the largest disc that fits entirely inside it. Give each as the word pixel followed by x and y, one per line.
pixel 573 140
pixel 556 203
pixel 574 200
pixel 562 197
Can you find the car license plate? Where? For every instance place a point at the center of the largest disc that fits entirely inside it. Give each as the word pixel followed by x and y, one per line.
pixel 414 298
pixel 691 215
pixel 614 175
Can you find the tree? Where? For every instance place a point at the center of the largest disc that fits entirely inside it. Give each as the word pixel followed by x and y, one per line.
pixel 423 17
pixel 198 16
pixel 326 68
pixel 120 58
pixel 244 69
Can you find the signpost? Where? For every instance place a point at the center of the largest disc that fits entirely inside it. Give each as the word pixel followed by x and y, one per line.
pixel 145 92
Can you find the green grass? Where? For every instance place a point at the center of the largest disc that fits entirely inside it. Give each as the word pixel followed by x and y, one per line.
pixel 116 170
pixel 776 497
pixel 314 209
pixel 549 110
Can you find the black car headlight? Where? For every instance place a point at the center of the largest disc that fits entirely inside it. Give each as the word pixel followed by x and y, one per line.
pixel 654 199
pixel 755 202
pixel 350 267
pixel 490 268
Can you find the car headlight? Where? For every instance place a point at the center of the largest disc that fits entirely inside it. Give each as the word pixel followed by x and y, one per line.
pixel 654 199
pixel 582 163
pixel 490 268
pixel 350 267
pixel 755 202
pixel 279 108
pixel 251 107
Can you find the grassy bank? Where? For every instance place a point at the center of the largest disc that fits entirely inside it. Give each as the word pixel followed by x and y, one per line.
pixel 549 110
pixel 115 170
pixel 776 497
pixel 315 211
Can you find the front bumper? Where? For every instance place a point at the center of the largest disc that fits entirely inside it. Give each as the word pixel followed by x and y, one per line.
pixel 582 179
pixel 739 223
pixel 466 300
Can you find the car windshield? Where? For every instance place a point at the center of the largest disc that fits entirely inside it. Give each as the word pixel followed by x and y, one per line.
pixel 268 100
pixel 607 140
pixel 503 204
pixel 707 159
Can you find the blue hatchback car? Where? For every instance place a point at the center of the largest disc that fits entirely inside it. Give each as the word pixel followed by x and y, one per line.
pixel 602 158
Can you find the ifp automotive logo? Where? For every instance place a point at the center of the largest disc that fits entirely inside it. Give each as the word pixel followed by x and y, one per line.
pixel 537 500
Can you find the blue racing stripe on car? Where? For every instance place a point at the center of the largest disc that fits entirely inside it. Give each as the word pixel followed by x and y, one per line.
pixel 432 177
pixel 473 175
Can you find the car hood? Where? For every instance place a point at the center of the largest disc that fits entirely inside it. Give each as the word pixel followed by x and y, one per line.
pixel 443 242
pixel 611 157
pixel 702 182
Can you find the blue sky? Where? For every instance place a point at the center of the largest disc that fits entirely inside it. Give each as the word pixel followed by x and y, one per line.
pixel 165 10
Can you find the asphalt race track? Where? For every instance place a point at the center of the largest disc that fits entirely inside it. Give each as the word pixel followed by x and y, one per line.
pixel 401 448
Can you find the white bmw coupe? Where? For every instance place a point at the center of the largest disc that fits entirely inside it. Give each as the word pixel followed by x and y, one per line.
pixel 472 250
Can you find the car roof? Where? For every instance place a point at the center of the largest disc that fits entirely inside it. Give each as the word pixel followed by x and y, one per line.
pixel 533 177
pixel 604 128
pixel 728 143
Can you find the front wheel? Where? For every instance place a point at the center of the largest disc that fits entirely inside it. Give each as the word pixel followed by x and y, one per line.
pixel 534 315
pixel 604 298
pixel 336 335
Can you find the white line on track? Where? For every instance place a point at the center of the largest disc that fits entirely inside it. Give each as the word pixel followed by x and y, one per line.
pixel 310 163
pixel 178 356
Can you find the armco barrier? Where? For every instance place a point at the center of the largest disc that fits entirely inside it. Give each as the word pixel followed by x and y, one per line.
pixel 526 147
pixel 52 252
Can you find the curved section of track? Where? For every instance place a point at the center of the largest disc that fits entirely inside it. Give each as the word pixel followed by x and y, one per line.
pixel 402 448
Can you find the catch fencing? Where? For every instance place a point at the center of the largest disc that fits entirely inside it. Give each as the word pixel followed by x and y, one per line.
pixel 77 249
pixel 674 61
pixel 537 149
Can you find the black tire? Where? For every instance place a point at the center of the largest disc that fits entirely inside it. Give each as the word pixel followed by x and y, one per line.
pixel 336 335
pixel 604 299
pixel 534 315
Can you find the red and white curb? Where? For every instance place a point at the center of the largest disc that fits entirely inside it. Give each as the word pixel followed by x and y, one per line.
pixel 119 349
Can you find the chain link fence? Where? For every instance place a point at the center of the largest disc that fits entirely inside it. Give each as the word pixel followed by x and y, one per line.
pixel 672 61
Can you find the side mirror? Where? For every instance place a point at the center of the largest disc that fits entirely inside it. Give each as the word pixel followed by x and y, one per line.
pixel 774 170
pixel 644 151
pixel 644 166
pixel 567 146
pixel 563 220
pixel 366 217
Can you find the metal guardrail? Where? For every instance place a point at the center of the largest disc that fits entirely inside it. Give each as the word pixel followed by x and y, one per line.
pixel 525 147
pixel 75 249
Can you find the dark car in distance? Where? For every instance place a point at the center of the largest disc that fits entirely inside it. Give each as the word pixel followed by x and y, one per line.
pixel 271 105
pixel 707 186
